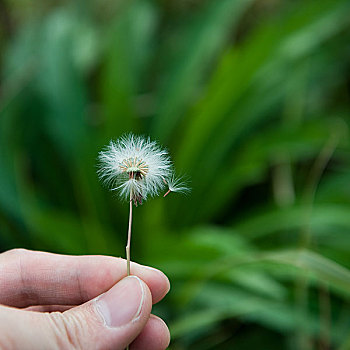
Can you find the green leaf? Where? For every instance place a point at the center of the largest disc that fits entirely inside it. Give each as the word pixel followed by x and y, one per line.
pixel 201 43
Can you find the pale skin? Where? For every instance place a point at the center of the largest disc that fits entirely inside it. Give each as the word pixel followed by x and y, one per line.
pixel 51 301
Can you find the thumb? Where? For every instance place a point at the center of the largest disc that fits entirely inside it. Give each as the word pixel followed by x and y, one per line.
pixel 111 321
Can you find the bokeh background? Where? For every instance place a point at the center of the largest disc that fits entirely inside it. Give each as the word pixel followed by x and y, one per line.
pixel 252 100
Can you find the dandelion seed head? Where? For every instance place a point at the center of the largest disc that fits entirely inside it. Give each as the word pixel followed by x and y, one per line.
pixel 135 167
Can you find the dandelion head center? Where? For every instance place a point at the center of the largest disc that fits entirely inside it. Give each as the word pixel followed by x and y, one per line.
pixel 135 167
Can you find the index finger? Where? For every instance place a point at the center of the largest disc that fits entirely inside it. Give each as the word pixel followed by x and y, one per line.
pixel 38 278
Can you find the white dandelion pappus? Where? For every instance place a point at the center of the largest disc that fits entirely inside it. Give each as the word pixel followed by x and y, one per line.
pixel 176 184
pixel 136 167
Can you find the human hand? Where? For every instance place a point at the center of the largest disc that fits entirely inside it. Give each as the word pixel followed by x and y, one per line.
pixel 55 301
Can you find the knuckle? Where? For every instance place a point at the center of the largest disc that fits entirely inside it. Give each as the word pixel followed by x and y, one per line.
pixel 64 331
pixel 70 330
pixel 16 252
pixel 13 258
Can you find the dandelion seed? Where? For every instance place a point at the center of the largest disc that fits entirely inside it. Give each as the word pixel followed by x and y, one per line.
pixel 176 185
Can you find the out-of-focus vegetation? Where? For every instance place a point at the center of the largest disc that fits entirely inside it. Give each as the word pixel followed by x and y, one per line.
pixel 252 100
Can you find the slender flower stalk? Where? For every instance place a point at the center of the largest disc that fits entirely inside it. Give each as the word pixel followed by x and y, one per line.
pixel 137 168
pixel 127 248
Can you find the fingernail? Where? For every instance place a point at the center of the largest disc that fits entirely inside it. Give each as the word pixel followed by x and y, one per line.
pixel 122 303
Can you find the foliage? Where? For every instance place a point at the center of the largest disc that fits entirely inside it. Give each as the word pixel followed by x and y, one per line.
pixel 252 100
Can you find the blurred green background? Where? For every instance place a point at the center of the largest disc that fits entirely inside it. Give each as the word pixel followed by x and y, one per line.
pixel 252 100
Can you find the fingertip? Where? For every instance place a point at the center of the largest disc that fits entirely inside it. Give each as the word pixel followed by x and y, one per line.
pixel 163 280
pixel 157 281
pixel 163 328
pixel 154 336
